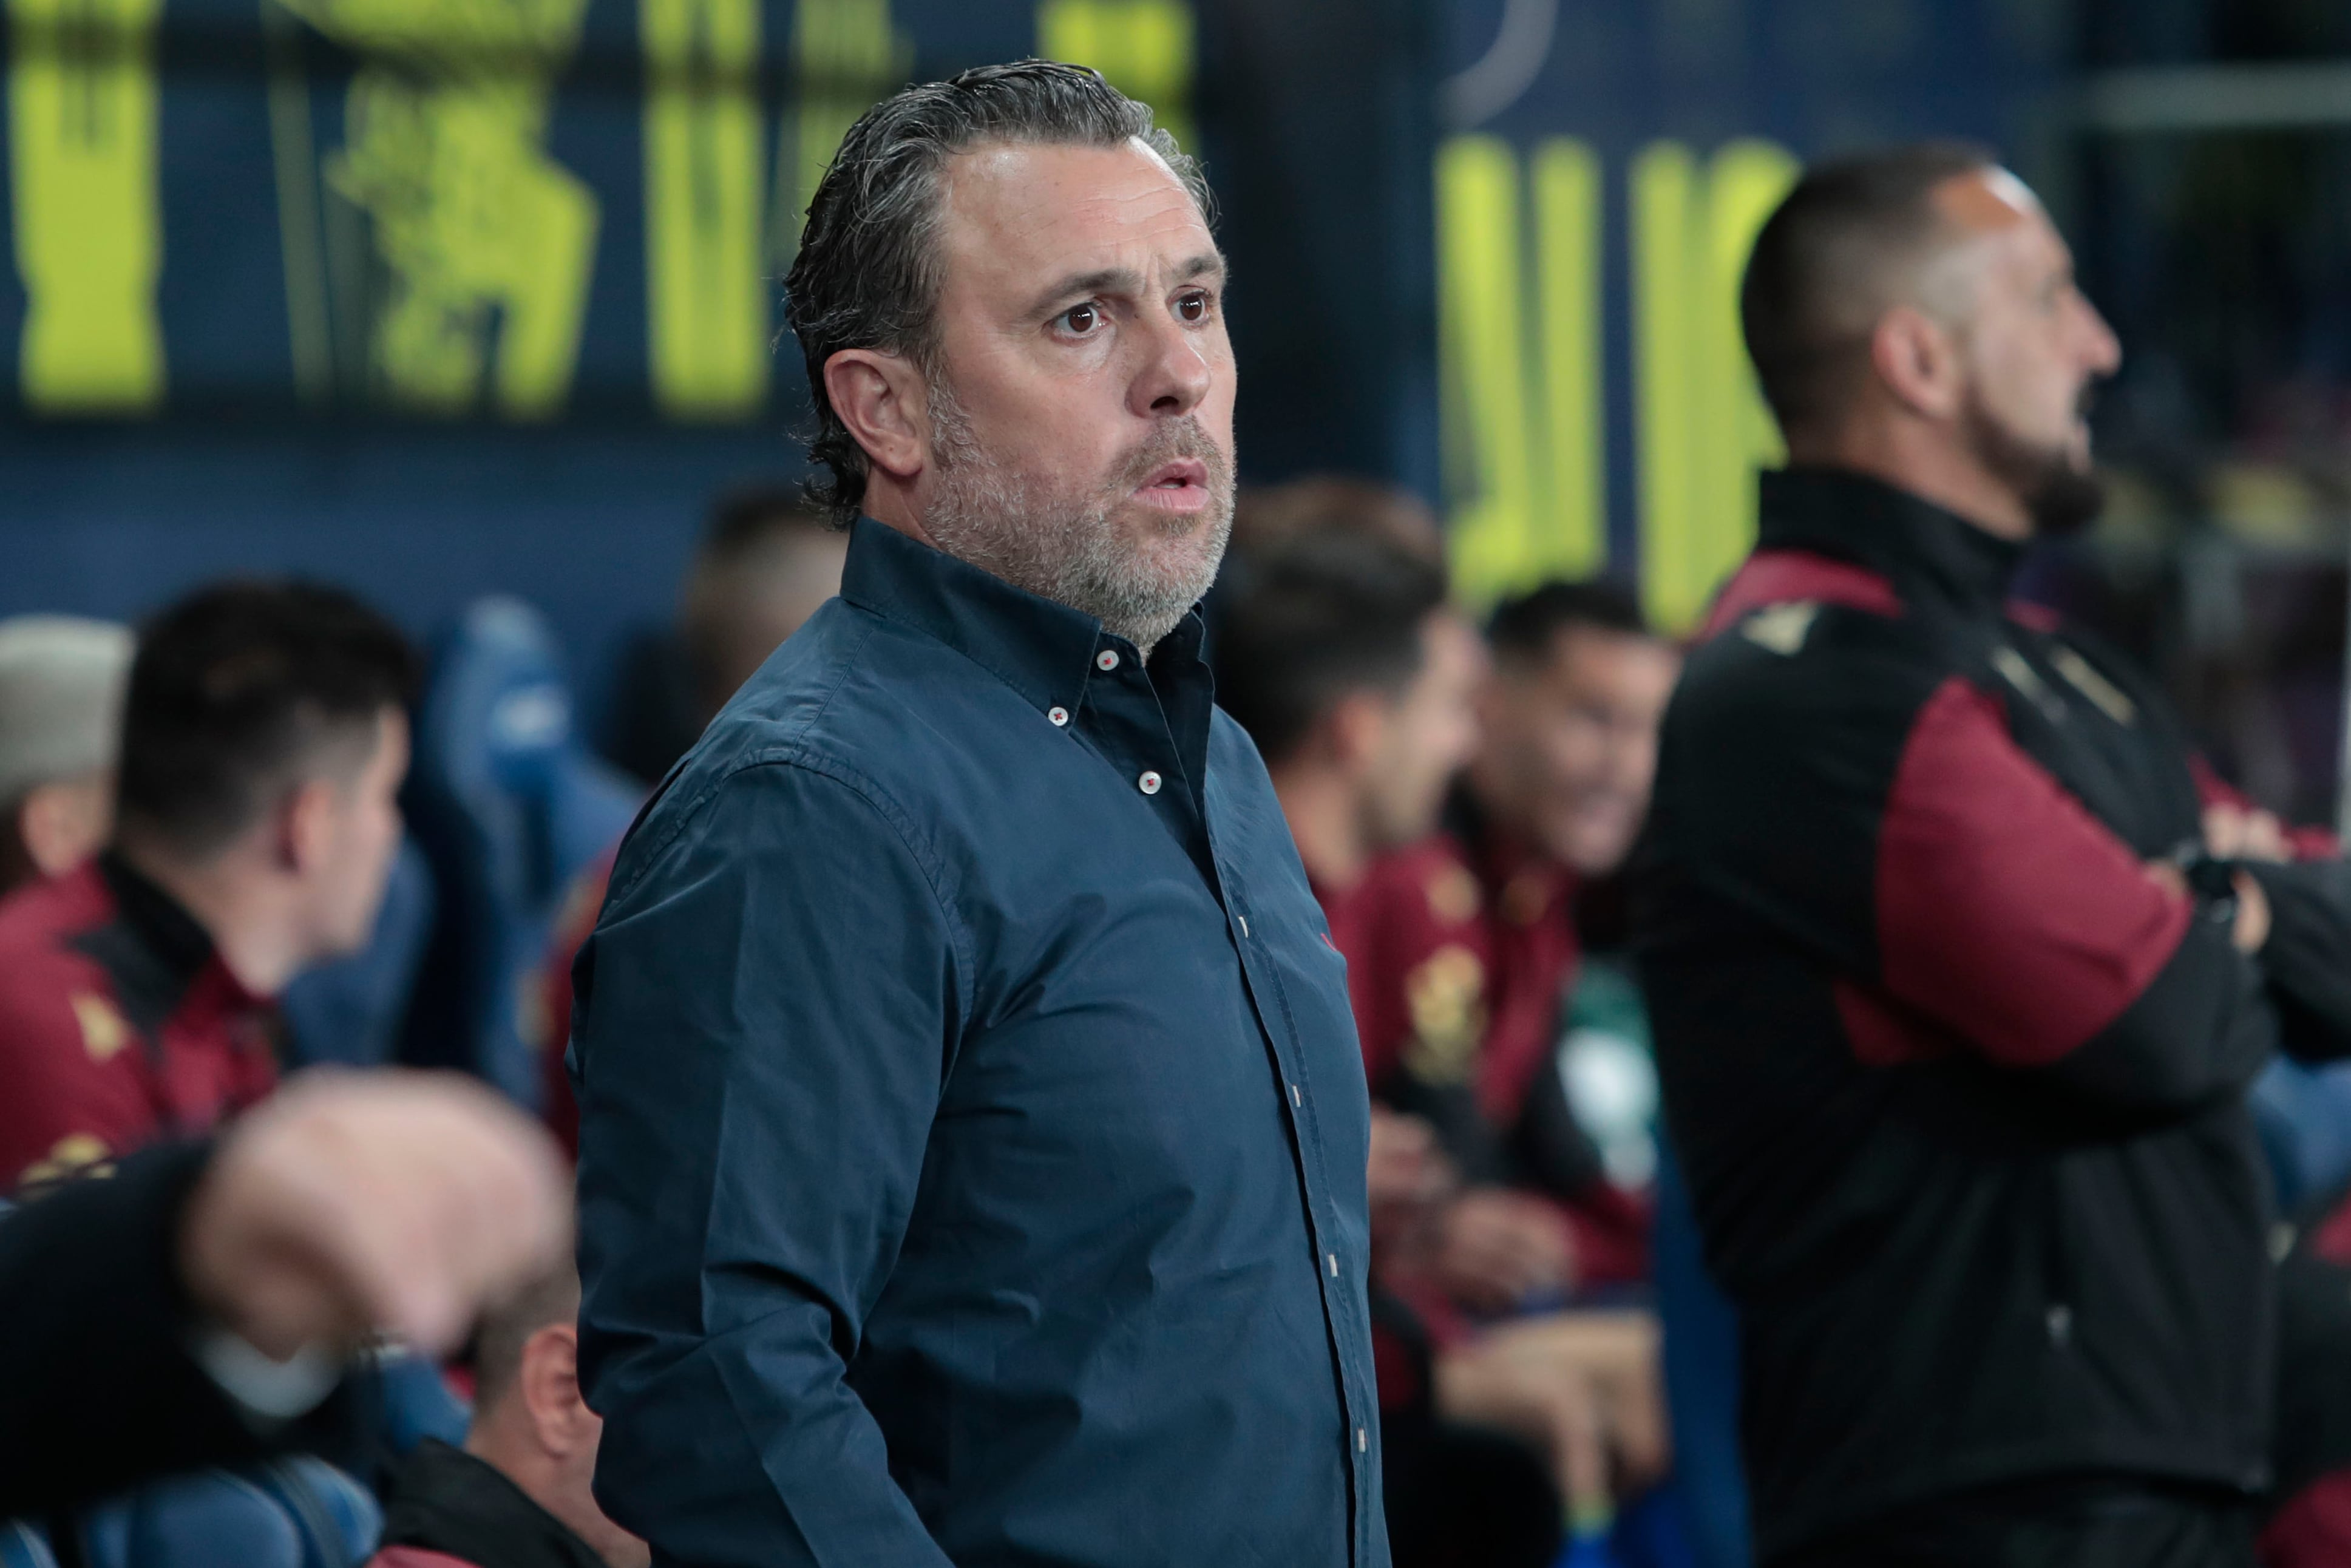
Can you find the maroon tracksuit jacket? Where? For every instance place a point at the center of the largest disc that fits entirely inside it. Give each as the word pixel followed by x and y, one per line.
pixel 120 1025
pixel 1958 1085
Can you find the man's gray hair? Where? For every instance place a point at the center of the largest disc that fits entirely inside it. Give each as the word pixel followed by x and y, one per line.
pixel 868 273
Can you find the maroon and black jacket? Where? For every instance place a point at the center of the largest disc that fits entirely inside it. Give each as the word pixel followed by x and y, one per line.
pixel 1957 1085
pixel 119 1025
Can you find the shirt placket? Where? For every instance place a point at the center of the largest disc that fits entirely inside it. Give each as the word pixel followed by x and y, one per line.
pixel 1121 717
pixel 1334 1273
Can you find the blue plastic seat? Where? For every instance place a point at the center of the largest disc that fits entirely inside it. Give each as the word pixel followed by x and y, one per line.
pixel 296 1512
pixel 509 805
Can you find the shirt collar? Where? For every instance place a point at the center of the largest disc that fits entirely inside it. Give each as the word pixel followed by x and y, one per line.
pixel 446 1499
pixel 178 953
pixel 1042 649
pixel 1911 540
pixel 174 938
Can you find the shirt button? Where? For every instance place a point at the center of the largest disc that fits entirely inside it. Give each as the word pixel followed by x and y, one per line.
pixel 1060 716
pixel 1106 660
pixel 1331 1259
pixel 1362 1441
pixel 1297 1100
pixel 1148 783
pixel 1244 920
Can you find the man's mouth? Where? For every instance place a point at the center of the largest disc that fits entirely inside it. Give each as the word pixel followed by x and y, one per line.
pixel 1181 485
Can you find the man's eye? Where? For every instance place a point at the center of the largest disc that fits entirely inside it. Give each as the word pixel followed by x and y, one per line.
pixel 1193 307
pixel 1082 319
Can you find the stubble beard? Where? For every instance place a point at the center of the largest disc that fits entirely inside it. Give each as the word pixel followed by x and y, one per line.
pixel 1071 549
pixel 2061 497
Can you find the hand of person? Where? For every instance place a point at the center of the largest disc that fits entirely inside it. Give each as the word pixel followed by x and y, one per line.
pixel 2235 833
pixel 1585 1387
pixel 1497 1248
pixel 1407 1170
pixel 2251 928
pixel 355 1202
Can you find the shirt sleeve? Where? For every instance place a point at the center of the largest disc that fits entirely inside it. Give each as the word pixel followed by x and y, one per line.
pixel 764 1017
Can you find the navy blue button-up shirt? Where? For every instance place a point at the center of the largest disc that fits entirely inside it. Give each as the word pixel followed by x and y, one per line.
pixel 972 1128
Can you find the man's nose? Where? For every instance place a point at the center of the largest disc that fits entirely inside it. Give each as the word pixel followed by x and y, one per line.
pixel 1174 374
pixel 2101 350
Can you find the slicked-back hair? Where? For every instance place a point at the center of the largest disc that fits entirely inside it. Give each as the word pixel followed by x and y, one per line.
pixel 868 274
pixel 1524 630
pixel 1316 618
pixel 1834 257
pixel 236 693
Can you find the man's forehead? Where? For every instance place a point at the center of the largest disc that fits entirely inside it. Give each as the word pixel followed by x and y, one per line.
pixel 1984 201
pixel 1055 206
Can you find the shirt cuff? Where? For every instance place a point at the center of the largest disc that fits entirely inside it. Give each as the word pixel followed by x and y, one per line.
pixel 268 1392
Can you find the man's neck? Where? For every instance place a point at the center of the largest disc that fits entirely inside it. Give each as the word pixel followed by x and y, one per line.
pixel 1320 810
pixel 1920 462
pixel 254 944
pixel 506 1444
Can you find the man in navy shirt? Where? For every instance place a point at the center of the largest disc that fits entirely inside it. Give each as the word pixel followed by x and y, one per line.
pixel 973 1132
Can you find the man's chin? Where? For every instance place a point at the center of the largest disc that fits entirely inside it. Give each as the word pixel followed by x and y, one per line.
pixel 2067 501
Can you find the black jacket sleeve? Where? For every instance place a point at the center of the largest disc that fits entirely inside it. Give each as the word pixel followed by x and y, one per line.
pixel 2307 959
pixel 1878 812
pixel 97 1390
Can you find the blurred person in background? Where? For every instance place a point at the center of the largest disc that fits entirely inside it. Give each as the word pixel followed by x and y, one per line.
pixel 517 1494
pixel 1479 964
pixel 972 1129
pixel 1958 979
pixel 265 734
pixel 766 560
pixel 61 682
pixel 201 1305
pixel 1338 652
pixel 1268 517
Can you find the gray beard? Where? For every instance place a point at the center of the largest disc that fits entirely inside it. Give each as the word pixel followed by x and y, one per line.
pixel 2060 499
pixel 1069 549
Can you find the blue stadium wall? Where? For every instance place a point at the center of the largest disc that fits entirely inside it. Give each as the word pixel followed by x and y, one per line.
pixel 446 296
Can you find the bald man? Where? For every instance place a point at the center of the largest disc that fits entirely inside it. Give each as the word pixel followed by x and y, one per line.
pixel 1957 977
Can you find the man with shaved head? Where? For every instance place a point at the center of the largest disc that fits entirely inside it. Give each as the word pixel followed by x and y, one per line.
pixel 973 1136
pixel 1958 976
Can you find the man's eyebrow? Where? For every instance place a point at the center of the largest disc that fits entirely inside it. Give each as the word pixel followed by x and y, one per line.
pixel 1125 279
pixel 1201 265
pixel 1103 280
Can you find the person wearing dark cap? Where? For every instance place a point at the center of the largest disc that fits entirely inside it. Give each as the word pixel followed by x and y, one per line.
pixel 1958 976
pixel 264 737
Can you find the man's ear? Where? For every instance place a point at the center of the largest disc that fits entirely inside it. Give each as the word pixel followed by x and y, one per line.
pixel 882 400
pixel 1352 729
pixel 550 1385
pixel 1917 359
pixel 303 824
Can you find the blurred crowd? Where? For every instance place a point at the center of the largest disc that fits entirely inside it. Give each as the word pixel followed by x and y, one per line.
pixel 204 857
pixel 210 888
